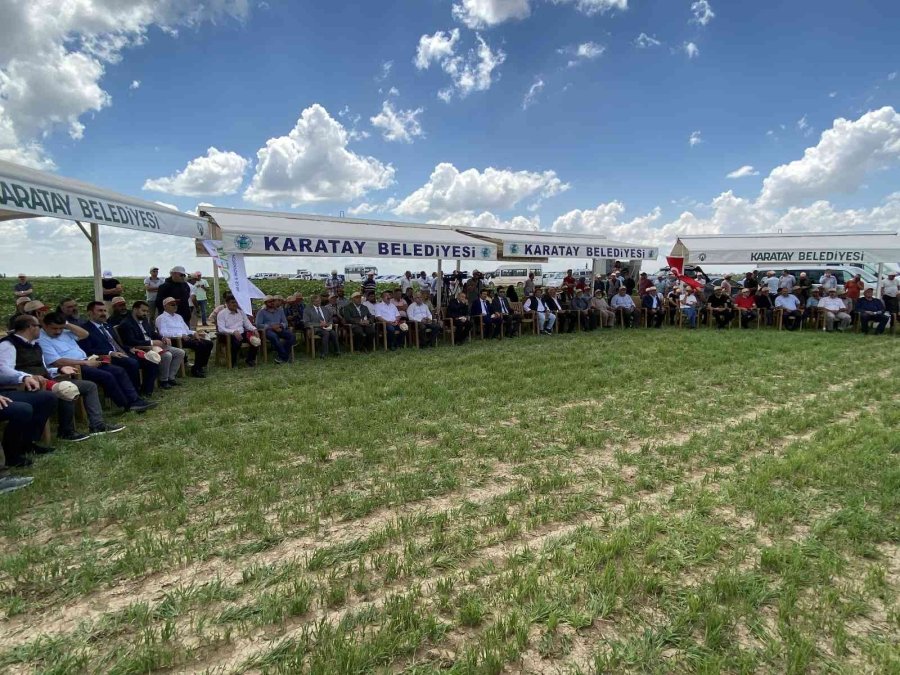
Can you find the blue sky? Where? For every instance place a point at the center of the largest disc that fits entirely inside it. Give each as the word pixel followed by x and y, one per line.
pixel 604 145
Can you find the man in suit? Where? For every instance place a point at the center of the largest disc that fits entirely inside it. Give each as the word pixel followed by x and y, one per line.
pixel 320 320
pixel 176 286
pixel 138 334
pixel 361 322
pixel 655 306
pixel 458 310
pixel 101 341
pixel 501 309
pixel 565 318
pixel 490 322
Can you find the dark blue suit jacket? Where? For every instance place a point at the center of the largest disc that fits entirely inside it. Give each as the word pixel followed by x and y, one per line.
pixel 96 342
pixel 647 302
pixel 475 308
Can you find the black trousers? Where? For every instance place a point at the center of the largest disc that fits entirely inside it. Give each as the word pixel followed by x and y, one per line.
pixel 25 418
pixel 115 382
pixel 363 334
pixel 202 349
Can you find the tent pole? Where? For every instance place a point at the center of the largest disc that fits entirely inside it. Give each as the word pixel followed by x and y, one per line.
pixel 215 263
pixel 440 284
pixel 880 281
pixel 95 257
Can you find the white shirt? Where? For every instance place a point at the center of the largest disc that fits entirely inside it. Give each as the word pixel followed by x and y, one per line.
pixel 387 312
pixel 8 361
pixel 229 322
pixel 623 301
pixel 405 285
pixel 418 312
pixel 172 325
pixel 534 304
pixel 890 287
pixel 370 305
pixel 832 304
pixel 689 301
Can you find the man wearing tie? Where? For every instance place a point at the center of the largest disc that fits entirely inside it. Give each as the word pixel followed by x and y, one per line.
pixel 500 308
pixel 102 342
pixel 490 323
pixel 319 320
pixel 362 325
pixel 653 303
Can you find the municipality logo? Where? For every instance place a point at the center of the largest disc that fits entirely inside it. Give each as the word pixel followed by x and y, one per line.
pixel 201 229
pixel 485 252
pixel 243 243
pixel 701 257
pixel 514 249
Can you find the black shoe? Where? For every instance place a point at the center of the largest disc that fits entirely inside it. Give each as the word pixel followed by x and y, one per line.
pixel 141 405
pixel 197 372
pixel 18 462
pixel 73 437
pixel 107 429
pixel 40 449
pixel 165 385
pixel 251 364
pixel 174 383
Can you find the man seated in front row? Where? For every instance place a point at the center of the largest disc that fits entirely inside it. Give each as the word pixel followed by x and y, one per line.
pixel 746 305
pixel 581 303
pixel 490 323
pixel 458 312
pixel 501 309
pixel 361 322
pixel 421 320
pixel 320 320
pixel 605 316
pixel 119 311
pixel 101 341
pixel 25 414
pixel 22 361
pixel 545 319
pixel 564 318
pixel 789 305
pixel 272 322
pixel 139 335
pixel 720 305
pixel 835 310
pixel 623 304
pixel 171 326
pixel 655 306
pixel 871 310
pixel 59 344
pixel 387 312
pixel 233 324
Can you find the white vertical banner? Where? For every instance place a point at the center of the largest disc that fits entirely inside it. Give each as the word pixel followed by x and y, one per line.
pixel 231 267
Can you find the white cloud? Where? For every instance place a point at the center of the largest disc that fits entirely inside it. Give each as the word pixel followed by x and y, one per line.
pixel 486 13
pixel 832 94
pixel 450 191
pixel 892 76
pixel 803 126
pixel 470 72
pixel 586 51
pixel 695 138
pixel 216 173
pixel 365 208
pixel 644 41
pixel 692 50
pixel 393 91
pixel 591 7
pixel 840 160
pixel 743 172
pixel 135 84
pixel 53 56
pixel 488 219
pixel 532 93
pixel 702 12
pixel 398 125
pixel 436 48
pixel 312 163
pixel 385 71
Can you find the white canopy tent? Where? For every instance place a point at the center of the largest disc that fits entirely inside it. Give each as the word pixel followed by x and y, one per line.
pixel 28 193
pixel 522 245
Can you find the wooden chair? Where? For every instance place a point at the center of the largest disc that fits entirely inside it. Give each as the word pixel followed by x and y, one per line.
pixel 223 349
pixel 528 318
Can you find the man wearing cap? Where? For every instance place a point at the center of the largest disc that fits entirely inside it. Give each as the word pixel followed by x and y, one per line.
pixel 362 324
pixel 171 326
pixel 102 341
pixel 320 320
pixel 139 335
pixel 720 305
pixel 333 283
pixel 770 283
pixel 22 363
pixel 835 310
pixel 655 306
pixel 23 289
pixel 111 288
pixel 20 304
pixel 368 286
pixel 232 323
pixel 176 286
pixel 59 344
pixel 789 305
pixel 151 287
pixel 605 316
pixel 871 310
pixel 119 311
pixel 804 285
pixel 810 307
pixel 422 321
pixel 746 305
pixel 726 285
pixel 293 311
pixel 889 292
pixel 272 322
pixel 623 305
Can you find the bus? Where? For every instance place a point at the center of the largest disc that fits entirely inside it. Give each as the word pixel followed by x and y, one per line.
pixel 354 272
pixel 515 275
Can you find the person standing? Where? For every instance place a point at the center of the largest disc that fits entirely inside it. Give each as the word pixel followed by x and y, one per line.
pixel 112 288
pixel 369 285
pixel 23 289
pixel 201 290
pixel 853 290
pixel 804 285
pixel 176 286
pixel 889 291
pixel 529 285
pixel 151 286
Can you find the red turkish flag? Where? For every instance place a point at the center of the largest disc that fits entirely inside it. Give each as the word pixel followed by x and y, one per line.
pixel 676 267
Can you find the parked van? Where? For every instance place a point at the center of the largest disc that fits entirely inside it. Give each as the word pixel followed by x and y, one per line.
pixel 842 273
pixel 514 275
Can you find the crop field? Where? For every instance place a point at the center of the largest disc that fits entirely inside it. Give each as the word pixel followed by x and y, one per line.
pixel 620 501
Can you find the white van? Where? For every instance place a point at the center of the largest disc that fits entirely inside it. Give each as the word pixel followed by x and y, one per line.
pixel 842 273
pixel 515 275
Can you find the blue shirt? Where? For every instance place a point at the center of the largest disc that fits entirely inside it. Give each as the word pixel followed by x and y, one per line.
pixel 873 305
pixel 788 302
pixel 63 347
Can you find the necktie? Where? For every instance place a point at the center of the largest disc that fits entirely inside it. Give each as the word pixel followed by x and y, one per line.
pixel 321 316
pixel 109 337
pixel 503 305
pixel 483 307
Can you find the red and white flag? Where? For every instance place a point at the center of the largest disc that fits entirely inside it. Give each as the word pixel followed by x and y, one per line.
pixel 676 267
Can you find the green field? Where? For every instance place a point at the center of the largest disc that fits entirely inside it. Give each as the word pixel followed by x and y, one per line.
pixel 618 501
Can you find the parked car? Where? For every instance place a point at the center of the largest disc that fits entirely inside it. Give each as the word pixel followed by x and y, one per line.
pixel 842 273
pixel 513 275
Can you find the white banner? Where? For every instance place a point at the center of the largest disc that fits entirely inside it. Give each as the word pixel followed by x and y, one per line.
pixel 31 198
pixel 791 257
pixel 232 269
pixel 515 249
pixel 279 244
